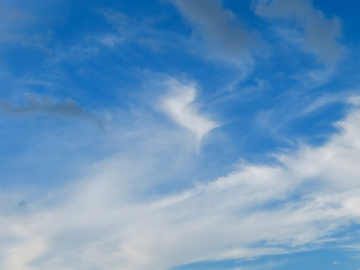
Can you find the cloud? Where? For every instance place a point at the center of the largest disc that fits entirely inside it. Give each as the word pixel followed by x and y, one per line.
pixel 320 33
pixel 216 24
pixel 47 106
pixel 181 108
pixel 104 222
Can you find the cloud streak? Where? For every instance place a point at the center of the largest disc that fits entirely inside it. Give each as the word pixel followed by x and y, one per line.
pixel 47 106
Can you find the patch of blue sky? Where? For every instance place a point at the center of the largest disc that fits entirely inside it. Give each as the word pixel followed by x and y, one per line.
pixel 316 259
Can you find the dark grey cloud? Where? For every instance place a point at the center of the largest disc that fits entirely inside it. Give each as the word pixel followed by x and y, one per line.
pixel 50 107
pixel 11 15
pixel 320 33
pixel 215 24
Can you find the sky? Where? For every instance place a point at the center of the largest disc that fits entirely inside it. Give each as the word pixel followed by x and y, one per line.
pixel 179 135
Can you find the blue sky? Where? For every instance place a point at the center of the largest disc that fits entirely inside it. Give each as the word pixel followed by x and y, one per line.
pixel 179 135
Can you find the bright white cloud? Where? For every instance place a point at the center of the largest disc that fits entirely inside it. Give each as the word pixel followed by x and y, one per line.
pixel 320 33
pixel 180 106
pixel 108 221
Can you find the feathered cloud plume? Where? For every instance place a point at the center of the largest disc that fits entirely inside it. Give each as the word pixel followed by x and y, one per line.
pixel 181 108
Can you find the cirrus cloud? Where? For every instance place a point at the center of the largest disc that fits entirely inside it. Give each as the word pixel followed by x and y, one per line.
pixel 254 210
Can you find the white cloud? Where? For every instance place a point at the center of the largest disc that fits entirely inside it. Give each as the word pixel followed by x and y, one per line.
pixel 109 220
pixel 180 106
pixel 321 33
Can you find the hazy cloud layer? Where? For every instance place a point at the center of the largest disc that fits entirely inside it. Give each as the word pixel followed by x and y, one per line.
pixel 47 106
pixel 216 24
pixel 99 225
pixel 320 33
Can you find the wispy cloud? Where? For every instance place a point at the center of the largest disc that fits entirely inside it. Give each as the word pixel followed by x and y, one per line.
pixel 320 33
pixel 150 201
pixel 181 107
pixel 143 33
pixel 47 106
